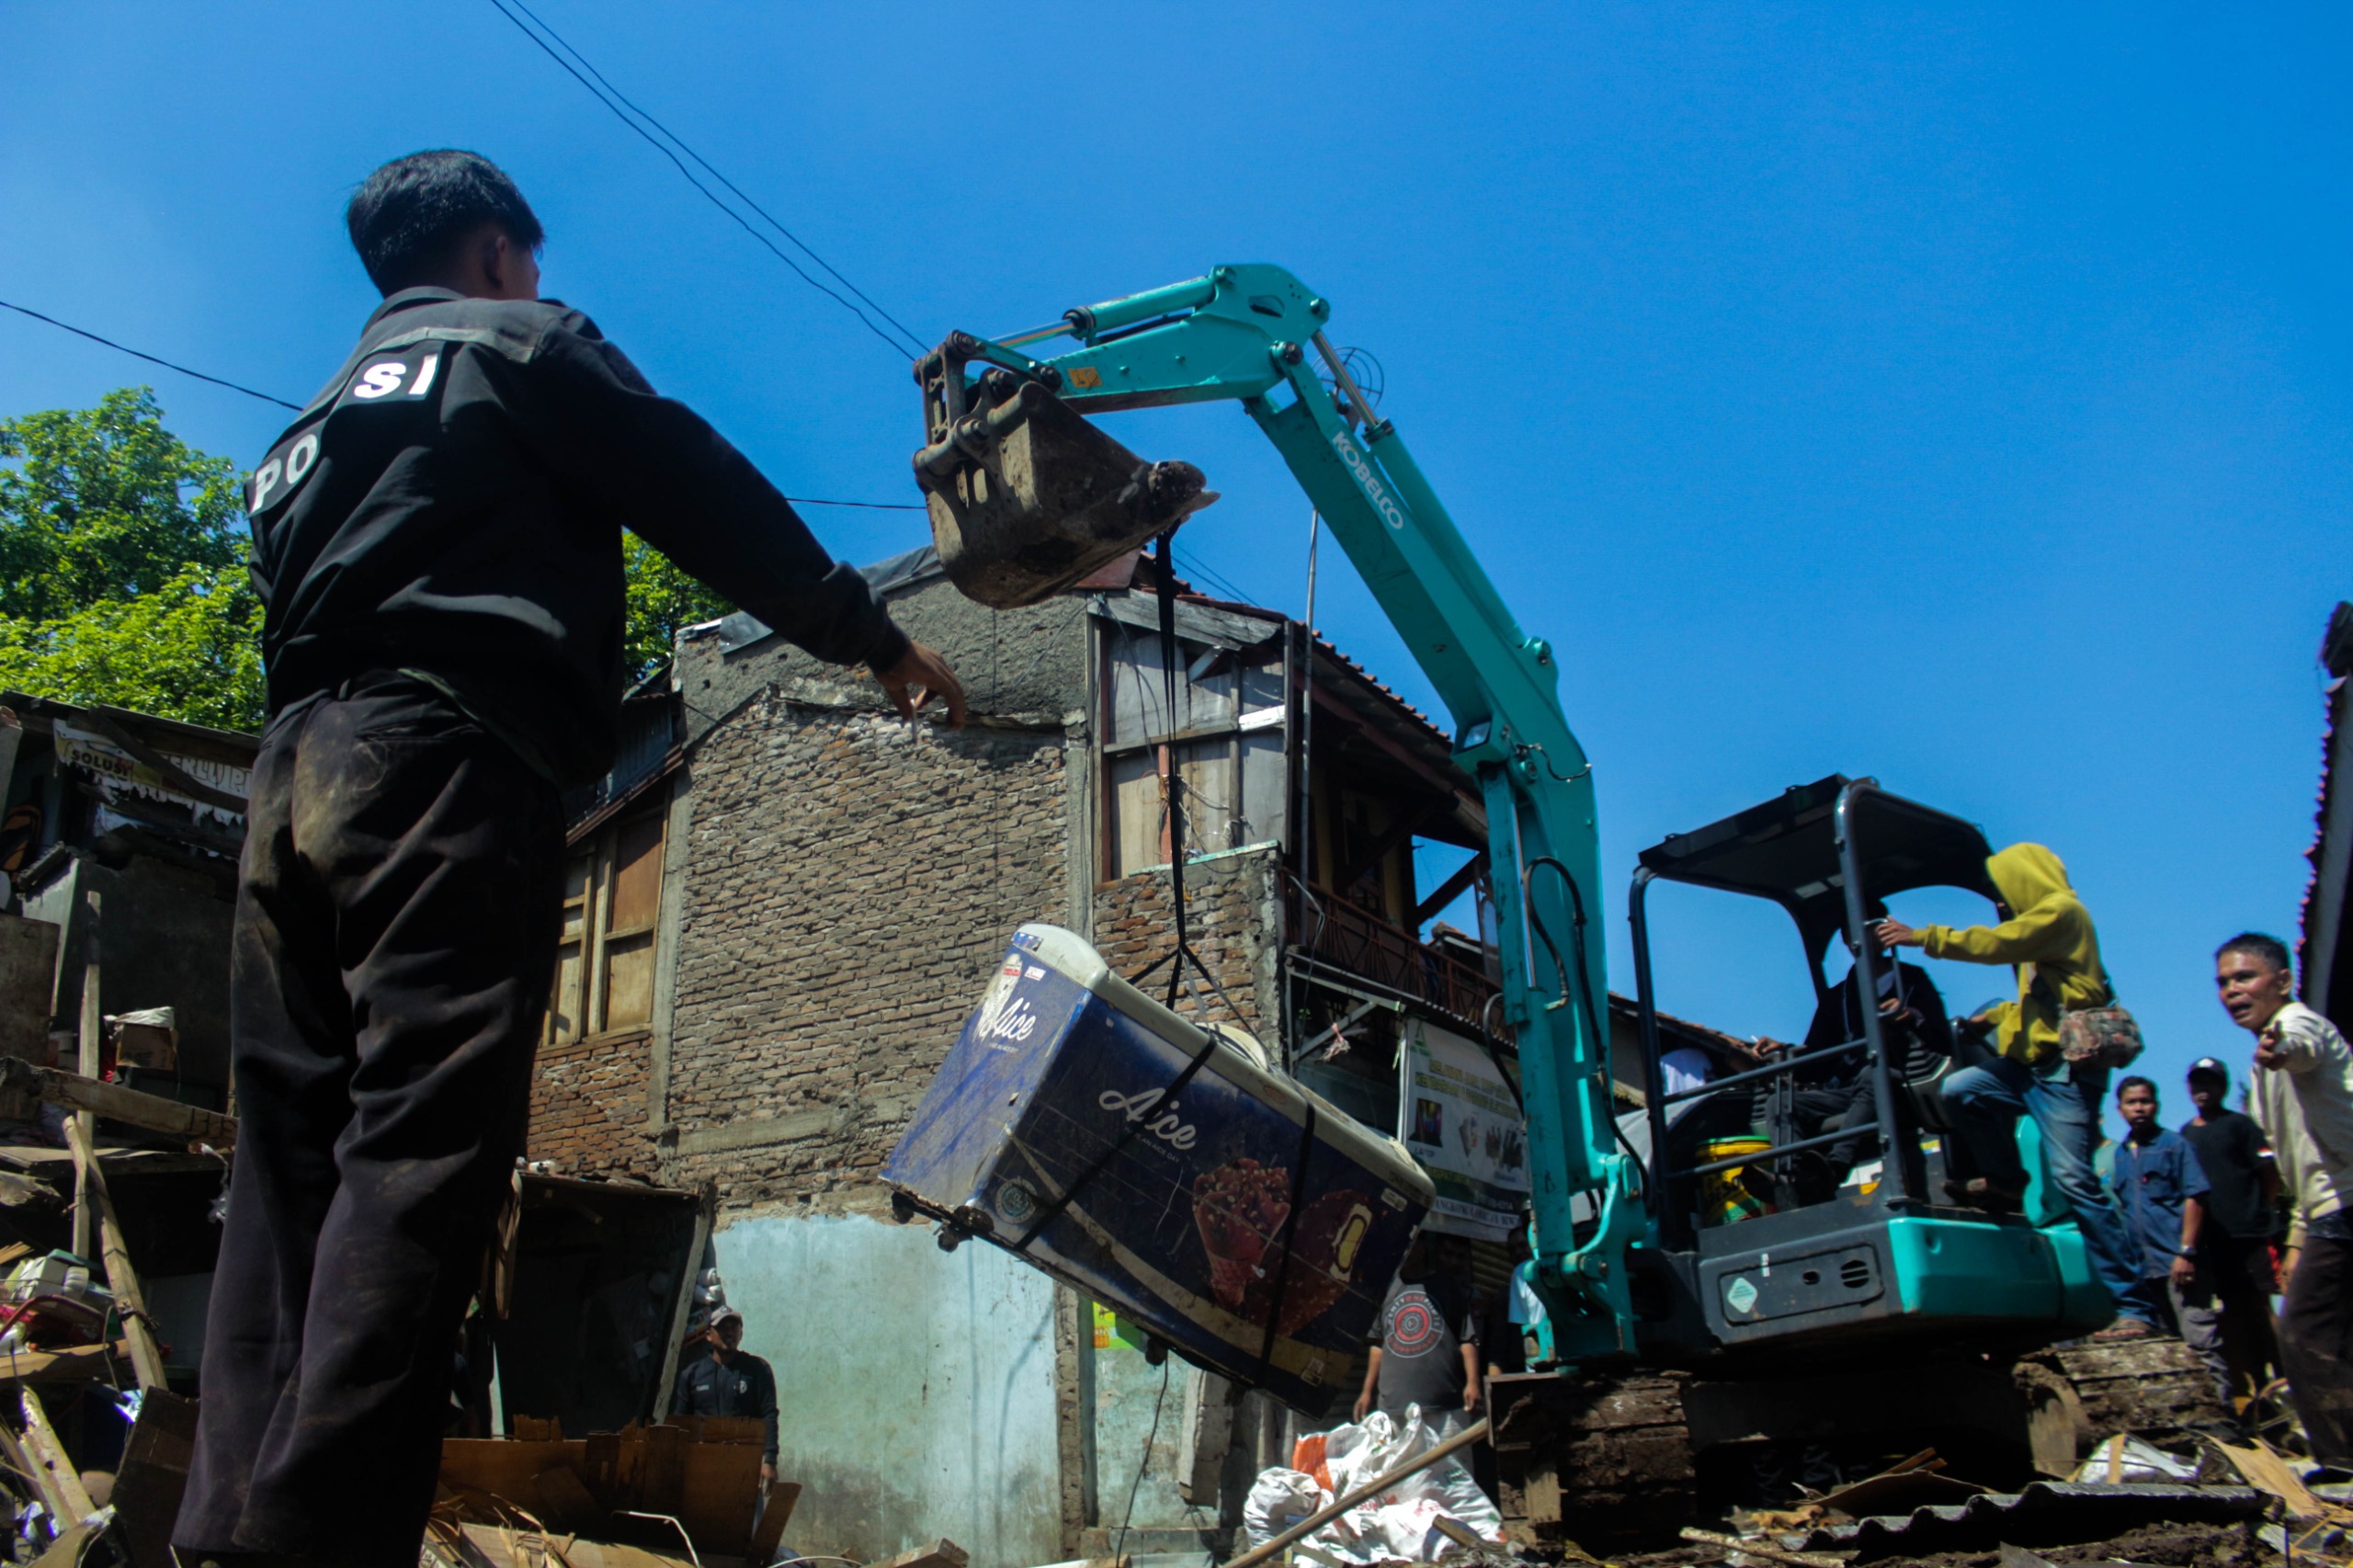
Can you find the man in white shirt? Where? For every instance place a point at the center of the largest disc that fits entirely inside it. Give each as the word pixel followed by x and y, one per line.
pixel 2303 1095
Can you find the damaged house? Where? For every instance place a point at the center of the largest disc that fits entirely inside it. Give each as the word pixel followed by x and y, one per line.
pixel 782 905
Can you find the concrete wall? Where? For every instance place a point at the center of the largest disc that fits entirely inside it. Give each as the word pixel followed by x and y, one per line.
pixel 917 1386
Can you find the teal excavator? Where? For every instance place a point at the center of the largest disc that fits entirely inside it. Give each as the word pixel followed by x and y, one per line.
pixel 1667 1337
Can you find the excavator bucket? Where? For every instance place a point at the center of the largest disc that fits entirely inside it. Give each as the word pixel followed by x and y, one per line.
pixel 1026 497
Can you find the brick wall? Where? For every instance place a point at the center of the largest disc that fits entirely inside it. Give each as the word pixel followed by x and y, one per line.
pixel 588 1111
pixel 1233 923
pixel 850 882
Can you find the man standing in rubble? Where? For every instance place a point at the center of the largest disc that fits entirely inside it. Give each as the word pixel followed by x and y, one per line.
pixel 730 1381
pixel 2302 1096
pixel 2046 936
pixel 437 547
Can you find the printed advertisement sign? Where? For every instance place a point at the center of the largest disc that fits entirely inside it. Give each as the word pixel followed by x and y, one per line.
pixel 1456 1114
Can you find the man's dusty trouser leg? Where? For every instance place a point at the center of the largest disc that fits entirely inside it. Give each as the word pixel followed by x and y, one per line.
pixel 396 928
pixel 2316 1344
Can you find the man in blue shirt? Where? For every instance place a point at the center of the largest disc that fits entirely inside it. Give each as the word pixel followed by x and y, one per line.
pixel 2161 1192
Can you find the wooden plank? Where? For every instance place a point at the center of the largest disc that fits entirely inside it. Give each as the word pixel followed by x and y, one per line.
pixel 146 1355
pixel 75 1364
pixel 940 1553
pixel 116 1103
pixel 60 1482
pixel 92 1027
pixel 782 1497
pixel 682 1306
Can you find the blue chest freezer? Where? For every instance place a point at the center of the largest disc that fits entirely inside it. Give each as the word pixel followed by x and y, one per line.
pixel 1247 1223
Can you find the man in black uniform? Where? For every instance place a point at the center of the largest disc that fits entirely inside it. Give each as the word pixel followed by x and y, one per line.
pixel 437 545
pixel 729 1381
pixel 2226 1313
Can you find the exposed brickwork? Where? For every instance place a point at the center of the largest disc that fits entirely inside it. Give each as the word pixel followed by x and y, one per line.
pixel 850 881
pixel 588 1111
pixel 1233 924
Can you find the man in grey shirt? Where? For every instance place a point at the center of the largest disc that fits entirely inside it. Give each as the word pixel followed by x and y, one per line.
pixel 1425 1347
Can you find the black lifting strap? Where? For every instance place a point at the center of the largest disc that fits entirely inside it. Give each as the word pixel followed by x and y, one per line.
pixel 1172 786
pixel 1172 782
pixel 1283 1233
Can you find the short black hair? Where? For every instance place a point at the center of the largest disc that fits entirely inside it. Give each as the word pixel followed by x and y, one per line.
pixel 2129 1084
pixel 2257 944
pixel 405 216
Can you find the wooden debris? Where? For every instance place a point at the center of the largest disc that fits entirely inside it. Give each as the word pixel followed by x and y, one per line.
pixel 51 1470
pixel 23 1080
pixel 940 1553
pixel 74 1364
pixel 1764 1549
pixel 146 1355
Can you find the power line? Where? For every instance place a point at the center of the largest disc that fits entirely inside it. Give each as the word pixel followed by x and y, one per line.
pixel 218 381
pixel 801 245
pixel 615 104
pixel 152 359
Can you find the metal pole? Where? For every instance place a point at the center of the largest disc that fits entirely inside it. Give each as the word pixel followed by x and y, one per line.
pixel 1299 838
pixel 1657 1184
pixel 85 1125
pixel 1894 1179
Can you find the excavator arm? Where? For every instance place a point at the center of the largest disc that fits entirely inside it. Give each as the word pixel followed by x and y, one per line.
pixel 1255 334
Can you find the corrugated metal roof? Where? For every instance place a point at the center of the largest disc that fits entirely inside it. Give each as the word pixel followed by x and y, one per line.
pixel 2045 1512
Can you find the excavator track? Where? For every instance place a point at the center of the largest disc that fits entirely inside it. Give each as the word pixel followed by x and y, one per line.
pixel 2153 1387
pixel 1610 1460
pixel 1601 1459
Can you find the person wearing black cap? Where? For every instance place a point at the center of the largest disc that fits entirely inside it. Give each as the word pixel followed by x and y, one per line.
pixel 2226 1310
pixel 731 1380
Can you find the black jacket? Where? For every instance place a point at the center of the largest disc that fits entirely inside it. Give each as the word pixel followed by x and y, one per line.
pixel 741 1385
pixel 1919 1031
pixel 453 502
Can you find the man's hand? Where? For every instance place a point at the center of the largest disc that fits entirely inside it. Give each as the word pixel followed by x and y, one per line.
pixel 1896 934
pixel 2269 1047
pixel 2182 1271
pixel 2287 1266
pixel 1364 1407
pixel 767 1472
pixel 920 675
pixel 1768 1046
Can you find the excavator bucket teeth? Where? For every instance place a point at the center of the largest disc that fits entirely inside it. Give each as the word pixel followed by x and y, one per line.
pixel 1026 497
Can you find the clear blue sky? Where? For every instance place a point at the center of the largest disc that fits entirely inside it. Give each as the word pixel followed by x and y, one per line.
pixel 1958 398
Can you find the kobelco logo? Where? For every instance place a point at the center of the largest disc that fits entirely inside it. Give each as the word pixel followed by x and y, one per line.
pixel 1368 480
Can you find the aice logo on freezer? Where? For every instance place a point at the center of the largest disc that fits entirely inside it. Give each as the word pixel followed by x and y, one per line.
pixel 1144 1103
pixel 1015 1023
pixel 1004 1020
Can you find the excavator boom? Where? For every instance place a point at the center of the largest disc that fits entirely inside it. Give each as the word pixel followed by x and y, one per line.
pixel 1026 497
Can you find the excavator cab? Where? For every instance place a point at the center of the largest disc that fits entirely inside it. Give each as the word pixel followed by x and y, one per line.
pixel 1752 1251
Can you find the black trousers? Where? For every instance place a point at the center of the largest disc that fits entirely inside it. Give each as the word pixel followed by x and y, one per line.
pixel 395 932
pixel 2316 1339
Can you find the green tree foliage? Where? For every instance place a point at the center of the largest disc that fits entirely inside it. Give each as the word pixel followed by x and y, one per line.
pixel 123 575
pixel 661 600
pixel 122 571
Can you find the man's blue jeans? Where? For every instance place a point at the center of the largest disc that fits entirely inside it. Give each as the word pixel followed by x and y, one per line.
pixel 1986 1101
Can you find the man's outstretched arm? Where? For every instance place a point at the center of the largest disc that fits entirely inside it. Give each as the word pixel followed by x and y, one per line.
pixel 682 487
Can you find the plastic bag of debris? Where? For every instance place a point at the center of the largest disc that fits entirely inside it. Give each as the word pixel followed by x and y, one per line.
pixel 1401 1524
